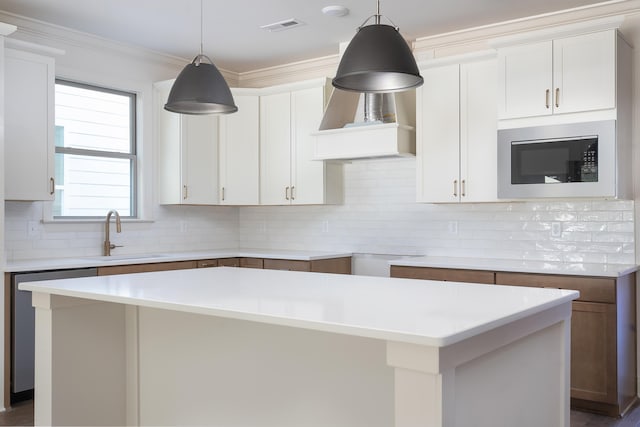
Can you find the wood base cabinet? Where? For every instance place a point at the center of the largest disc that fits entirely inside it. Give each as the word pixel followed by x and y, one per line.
pixel 603 330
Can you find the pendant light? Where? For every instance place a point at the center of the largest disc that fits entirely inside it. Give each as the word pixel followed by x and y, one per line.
pixel 377 60
pixel 200 88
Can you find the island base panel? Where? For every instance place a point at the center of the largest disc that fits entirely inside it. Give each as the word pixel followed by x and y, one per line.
pixel 102 363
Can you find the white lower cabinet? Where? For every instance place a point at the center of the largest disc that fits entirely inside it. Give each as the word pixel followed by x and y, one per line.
pixel 29 126
pixel 240 150
pixel 456 146
pixel 288 175
pixel 188 154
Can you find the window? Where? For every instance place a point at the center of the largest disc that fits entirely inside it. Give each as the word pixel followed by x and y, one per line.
pixel 95 160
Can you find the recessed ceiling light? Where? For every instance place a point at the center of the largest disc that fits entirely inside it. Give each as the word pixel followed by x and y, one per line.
pixel 335 10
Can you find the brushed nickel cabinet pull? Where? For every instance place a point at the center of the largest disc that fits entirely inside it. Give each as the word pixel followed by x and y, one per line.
pixel 464 191
pixel 286 193
pixel 293 195
pixel 557 97
pixel 455 188
pixel 185 192
pixel 546 99
pixel 223 194
pixel 53 186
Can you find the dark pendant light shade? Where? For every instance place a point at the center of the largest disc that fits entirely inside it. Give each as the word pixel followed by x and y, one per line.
pixel 200 89
pixel 377 60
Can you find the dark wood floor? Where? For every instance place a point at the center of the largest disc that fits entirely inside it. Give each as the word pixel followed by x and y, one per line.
pixel 22 415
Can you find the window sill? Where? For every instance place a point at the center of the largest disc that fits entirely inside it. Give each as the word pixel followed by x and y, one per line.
pixel 95 221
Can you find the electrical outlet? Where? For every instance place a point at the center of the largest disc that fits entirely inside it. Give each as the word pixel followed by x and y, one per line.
pixel 452 226
pixel 556 229
pixel 33 228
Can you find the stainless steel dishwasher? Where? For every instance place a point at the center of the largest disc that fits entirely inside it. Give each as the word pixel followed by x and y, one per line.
pixel 23 327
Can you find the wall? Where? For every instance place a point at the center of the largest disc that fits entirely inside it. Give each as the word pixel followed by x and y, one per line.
pixel 166 228
pixel 380 216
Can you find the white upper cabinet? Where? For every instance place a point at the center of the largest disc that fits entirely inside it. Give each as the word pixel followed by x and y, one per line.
pixel 187 154
pixel 29 126
pixel 565 75
pixel 288 175
pixel 239 151
pixel 456 148
pixel 275 149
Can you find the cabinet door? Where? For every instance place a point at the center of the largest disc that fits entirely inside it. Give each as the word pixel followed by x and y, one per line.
pixel 307 184
pixel 275 149
pixel 438 135
pixel 239 153
pixel 29 126
pixel 593 352
pixel 478 132
pixel 200 159
pixel 168 136
pixel 187 154
pixel 525 76
pixel 585 72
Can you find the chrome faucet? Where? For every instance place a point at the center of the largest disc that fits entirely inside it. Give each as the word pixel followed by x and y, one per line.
pixel 107 244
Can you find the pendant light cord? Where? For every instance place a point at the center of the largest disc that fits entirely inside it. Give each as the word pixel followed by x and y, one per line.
pixel 378 18
pixel 201 25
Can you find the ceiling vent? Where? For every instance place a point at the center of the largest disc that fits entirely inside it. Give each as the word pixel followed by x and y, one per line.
pixel 282 25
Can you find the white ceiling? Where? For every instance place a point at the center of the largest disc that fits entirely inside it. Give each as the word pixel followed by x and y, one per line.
pixel 233 39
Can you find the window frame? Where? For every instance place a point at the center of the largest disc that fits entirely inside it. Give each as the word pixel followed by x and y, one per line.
pixel 132 156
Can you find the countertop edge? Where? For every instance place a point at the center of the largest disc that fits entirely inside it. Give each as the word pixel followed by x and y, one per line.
pixel 90 262
pixel 519 266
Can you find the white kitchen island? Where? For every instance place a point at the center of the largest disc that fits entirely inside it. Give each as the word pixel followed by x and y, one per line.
pixel 259 348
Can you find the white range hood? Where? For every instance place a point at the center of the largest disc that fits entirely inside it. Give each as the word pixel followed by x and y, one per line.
pixel 359 126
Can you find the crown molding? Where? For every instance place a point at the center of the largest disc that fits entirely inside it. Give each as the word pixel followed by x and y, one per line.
pixel 292 72
pixel 477 38
pixel 55 36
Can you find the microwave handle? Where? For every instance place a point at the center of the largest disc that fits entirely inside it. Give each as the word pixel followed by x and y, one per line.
pixel 542 141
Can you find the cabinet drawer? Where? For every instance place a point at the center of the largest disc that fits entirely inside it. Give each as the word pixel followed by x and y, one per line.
pixel 143 268
pixel 285 264
pixel 594 289
pixel 204 263
pixel 251 262
pixel 229 262
pixel 443 274
pixel 332 265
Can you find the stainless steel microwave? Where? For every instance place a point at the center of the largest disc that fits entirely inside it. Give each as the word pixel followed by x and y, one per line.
pixel 567 160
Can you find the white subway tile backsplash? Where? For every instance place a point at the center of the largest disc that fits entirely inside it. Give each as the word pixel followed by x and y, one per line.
pixel 379 216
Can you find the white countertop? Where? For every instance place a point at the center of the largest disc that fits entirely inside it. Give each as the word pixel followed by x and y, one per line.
pixel 414 311
pixel 116 259
pixel 519 266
